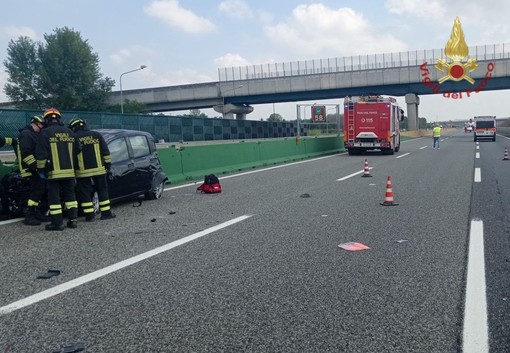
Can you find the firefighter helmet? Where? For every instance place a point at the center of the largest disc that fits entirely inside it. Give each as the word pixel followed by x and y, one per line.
pixel 52 114
pixel 37 119
pixel 76 122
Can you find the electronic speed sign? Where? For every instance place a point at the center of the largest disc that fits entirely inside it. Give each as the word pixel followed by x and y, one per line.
pixel 318 113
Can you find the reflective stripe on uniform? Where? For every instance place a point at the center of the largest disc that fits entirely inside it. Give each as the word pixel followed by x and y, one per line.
pixel 55 209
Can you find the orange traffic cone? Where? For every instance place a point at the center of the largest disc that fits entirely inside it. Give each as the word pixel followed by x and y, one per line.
pixel 388 198
pixel 366 170
pixel 505 157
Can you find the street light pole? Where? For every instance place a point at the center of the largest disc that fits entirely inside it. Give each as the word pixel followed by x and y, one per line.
pixel 120 83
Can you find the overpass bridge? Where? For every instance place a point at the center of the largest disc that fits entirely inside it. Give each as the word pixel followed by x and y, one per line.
pixel 408 74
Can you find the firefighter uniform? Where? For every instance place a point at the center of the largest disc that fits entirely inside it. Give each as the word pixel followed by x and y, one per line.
pixel 56 152
pixel 93 162
pixel 8 141
pixel 27 142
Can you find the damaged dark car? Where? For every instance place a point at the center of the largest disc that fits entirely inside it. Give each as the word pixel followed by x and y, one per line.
pixel 135 171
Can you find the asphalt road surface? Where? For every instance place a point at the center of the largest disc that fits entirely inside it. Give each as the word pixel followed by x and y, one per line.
pixel 258 268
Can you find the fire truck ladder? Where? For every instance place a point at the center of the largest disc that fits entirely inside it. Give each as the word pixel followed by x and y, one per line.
pixel 350 121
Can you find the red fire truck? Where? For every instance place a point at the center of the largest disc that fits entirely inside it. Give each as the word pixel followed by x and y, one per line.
pixel 372 123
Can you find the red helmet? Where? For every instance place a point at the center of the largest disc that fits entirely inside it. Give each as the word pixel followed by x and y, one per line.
pixel 52 113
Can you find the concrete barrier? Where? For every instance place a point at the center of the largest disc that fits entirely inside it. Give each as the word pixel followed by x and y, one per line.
pixel 185 163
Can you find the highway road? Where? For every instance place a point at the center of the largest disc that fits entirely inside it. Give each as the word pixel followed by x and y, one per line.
pixel 258 267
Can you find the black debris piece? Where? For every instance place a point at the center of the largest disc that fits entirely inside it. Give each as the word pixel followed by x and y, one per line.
pixel 305 196
pixel 71 348
pixel 49 274
pixel 153 220
pixel 172 212
pixel 139 204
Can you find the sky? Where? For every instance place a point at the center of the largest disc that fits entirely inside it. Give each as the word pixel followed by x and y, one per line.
pixel 187 41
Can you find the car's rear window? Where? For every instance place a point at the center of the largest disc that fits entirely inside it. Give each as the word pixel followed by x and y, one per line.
pixel 140 146
pixel 118 150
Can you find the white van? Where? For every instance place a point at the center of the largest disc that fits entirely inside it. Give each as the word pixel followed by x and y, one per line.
pixel 484 128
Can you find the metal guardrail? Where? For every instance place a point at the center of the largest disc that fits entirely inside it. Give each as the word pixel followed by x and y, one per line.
pixel 356 63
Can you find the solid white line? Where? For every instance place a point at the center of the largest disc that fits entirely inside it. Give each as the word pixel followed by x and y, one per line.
pixel 477 155
pixel 478 175
pixel 405 154
pixel 112 268
pixel 351 175
pixel 475 335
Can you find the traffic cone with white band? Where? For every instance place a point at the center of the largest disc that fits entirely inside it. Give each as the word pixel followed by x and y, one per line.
pixel 505 157
pixel 388 197
pixel 366 170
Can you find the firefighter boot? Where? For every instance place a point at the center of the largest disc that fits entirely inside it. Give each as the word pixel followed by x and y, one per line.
pixel 73 218
pixel 30 218
pixel 90 217
pixel 57 223
pixel 107 215
pixel 41 216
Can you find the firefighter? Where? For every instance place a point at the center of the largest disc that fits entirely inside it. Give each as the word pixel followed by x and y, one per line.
pixel 94 161
pixel 5 141
pixel 27 142
pixel 56 153
pixel 8 141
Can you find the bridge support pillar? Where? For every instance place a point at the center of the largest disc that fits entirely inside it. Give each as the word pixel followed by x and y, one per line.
pixel 228 111
pixel 412 101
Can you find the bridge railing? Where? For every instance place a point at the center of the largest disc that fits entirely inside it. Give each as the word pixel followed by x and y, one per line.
pixel 355 63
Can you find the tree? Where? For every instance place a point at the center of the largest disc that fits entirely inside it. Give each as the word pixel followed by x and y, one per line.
pixel 129 107
pixel 275 117
pixel 63 72
pixel 196 113
pixel 22 68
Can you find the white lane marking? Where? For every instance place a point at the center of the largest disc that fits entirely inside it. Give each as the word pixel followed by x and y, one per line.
pixel 475 335
pixel 405 154
pixel 477 155
pixel 478 175
pixel 112 268
pixel 256 171
pixel 353 174
pixel 477 147
pixel 423 147
pixel 14 220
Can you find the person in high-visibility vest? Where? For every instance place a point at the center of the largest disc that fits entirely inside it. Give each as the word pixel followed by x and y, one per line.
pixel 436 134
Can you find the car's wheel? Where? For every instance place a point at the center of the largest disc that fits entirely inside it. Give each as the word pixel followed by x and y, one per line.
pixel 156 192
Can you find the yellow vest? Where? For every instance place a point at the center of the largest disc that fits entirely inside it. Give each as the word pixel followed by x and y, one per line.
pixel 436 132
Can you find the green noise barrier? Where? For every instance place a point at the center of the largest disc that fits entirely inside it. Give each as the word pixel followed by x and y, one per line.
pixel 193 162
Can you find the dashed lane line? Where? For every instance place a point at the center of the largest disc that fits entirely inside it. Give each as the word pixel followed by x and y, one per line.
pixel 33 299
pixel 475 333
pixel 353 174
pixel 403 155
pixel 478 175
